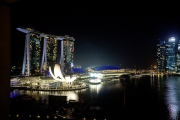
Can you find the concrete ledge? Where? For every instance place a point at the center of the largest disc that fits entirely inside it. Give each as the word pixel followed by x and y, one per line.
pixel 66 89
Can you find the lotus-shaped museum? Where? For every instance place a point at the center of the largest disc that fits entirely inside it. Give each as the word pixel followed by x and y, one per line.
pixel 59 76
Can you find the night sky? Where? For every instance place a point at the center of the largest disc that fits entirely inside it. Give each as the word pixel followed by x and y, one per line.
pixel 106 32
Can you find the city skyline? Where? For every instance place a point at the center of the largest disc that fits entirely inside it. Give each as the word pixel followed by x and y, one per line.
pixel 106 33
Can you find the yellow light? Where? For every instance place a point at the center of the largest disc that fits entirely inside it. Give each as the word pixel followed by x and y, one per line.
pixel 47 116
pixel 17 115
pixel 38 116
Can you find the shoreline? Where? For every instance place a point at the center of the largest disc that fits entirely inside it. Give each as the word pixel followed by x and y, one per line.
pixel 39 89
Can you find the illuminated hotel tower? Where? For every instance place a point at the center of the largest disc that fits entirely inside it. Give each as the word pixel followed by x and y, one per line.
pixel 49 54
pixel 41 51
pixel 67 55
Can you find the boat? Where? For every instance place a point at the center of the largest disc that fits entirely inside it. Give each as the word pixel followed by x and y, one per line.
pixel 136 75
pixel 94 81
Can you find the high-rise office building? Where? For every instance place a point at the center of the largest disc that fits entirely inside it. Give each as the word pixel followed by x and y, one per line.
pixel 161 57
pixel 41 51
pixel 178 57
pixel 171 56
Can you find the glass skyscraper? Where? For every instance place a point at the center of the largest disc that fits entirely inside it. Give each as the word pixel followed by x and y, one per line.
pixel 178 57
pixel 161 57
pixel 171 56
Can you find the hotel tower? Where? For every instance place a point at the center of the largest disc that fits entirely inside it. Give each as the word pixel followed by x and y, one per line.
pixel 43 50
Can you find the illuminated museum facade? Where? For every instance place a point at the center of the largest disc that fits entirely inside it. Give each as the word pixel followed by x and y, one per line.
pixel 44 50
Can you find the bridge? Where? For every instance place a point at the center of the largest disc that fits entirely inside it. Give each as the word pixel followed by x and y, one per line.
pixel 119 73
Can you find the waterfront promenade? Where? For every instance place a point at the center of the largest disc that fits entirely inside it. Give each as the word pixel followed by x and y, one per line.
pixel 144 98
pixel 79 87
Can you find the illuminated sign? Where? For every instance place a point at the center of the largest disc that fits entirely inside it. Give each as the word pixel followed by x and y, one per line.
pixel 172 39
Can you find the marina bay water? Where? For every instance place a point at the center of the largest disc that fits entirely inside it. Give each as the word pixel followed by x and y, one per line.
pixel 147 98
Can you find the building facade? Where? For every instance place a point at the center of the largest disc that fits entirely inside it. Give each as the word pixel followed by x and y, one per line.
pixel 68 55
pixel 41 51
pixel 34 53
pixel 161 57
pixel 168 56
pixel 171 55
pixel 178 57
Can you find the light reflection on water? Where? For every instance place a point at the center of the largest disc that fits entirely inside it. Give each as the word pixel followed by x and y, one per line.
pixel 95 88
pixel 172 97
pixel 14 94
pixel 165 88
pixel 41 95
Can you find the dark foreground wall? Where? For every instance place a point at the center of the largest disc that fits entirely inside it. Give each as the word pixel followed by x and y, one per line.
pixel 5 37
pixel 5 60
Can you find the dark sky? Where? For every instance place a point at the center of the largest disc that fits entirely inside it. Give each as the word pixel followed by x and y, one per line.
pixel 105 32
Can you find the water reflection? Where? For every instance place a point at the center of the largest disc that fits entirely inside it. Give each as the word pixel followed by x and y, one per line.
pixel 143 96
pixel 172 97
pixel 70 95
pixel 160 85
pixel 41 95
pixel 14 94
pixel 95 88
